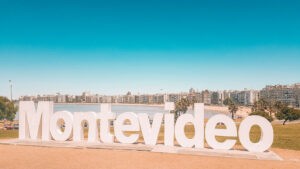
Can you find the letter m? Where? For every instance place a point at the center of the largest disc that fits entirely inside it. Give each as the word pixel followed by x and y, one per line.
pixel 30 124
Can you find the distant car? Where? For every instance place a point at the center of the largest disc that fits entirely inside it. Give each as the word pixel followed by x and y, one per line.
pixel 8 127
pixel 16 126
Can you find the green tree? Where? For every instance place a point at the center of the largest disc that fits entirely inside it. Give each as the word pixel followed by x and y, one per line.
pixel 260 105
pixel 278 106
pixel 263 114
pixel 270 107
pixel 227 101
pixel 232 106
pixel 7 109
pixel 288 114
pixel 181 107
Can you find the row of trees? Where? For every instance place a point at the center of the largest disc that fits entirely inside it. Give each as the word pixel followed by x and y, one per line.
pixel 267 109
pixel 275 109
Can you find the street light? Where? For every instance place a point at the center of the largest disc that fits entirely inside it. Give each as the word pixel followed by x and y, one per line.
pixel 10 86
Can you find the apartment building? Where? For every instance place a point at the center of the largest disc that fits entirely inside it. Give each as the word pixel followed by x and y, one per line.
pixel 289 94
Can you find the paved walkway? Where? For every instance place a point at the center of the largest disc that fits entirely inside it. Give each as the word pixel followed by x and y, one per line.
pixel 34 157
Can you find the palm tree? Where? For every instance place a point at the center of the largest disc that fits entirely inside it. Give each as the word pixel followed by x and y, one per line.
pixel 181 107
pixel 232 106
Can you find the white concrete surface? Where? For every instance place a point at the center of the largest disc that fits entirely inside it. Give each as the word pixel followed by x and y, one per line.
pixel 269 155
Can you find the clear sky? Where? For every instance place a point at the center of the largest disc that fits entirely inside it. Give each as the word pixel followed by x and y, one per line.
pixel 111 47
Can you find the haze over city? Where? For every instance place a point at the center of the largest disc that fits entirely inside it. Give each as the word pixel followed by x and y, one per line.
pixel 114 47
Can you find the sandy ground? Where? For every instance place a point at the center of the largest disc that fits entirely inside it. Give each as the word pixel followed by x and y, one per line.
pixel 28 157
pixel 242 111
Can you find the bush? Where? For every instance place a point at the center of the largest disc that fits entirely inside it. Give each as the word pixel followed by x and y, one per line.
pixel 7 109
pixel 263 114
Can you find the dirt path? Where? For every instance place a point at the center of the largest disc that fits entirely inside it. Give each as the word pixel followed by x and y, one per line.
pixel 27 157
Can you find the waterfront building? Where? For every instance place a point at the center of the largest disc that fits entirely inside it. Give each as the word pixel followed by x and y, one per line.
pixel 192 96
pixel 175 97
pixel 159 98
pixel 105 99
pixel 59 98
pixel 144 99
pixel 289 94
pixel 128 98
pixel 27 98
pixel 217 97
pixel 136 99
pixel 198 97
pixel 78 99
pixel 206 97
pixel 46 98
pixel 92 98
pixel 247 97
pixel 70 98
pixel 233 95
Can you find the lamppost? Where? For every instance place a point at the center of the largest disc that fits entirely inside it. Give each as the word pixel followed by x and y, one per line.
pixel 10 86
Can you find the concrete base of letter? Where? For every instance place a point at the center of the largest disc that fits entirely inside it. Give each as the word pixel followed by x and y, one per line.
pixel 268 155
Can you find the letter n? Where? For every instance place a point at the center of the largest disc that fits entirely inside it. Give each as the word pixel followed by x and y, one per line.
pixel 30 124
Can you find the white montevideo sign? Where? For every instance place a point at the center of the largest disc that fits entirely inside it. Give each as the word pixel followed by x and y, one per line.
pixel 42 123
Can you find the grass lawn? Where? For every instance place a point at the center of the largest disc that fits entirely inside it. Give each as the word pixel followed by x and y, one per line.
pixel 6 134
pixel 285 136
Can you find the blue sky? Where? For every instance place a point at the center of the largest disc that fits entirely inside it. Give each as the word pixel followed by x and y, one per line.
pixel 111 47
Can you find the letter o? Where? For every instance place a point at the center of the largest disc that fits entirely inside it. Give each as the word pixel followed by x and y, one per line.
pixel 266 138
pixel 55 130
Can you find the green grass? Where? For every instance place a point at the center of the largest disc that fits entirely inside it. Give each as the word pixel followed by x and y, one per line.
pixel 285 136
pixel 6 134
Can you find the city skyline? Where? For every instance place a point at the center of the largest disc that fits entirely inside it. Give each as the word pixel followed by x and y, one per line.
pixel 287 94
pixel 10 88
pixel 143 47
pixel 161 91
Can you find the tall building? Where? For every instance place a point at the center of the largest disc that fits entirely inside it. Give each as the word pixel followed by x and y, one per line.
pixel 84 96
pixel 217 97
pixel 244 97
pixel 159 98
pixel 192 96
pixel 175 97
pixel 27 98
pixel 198 97
pixel 128 98
pixel 46 98
pixel 144 99
pixel 70 98
pixel 233 95
pixel 60 98
pixel 105 99
pixel 206 97
pixel 247 97
pixel 92 99
pixel 289 94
